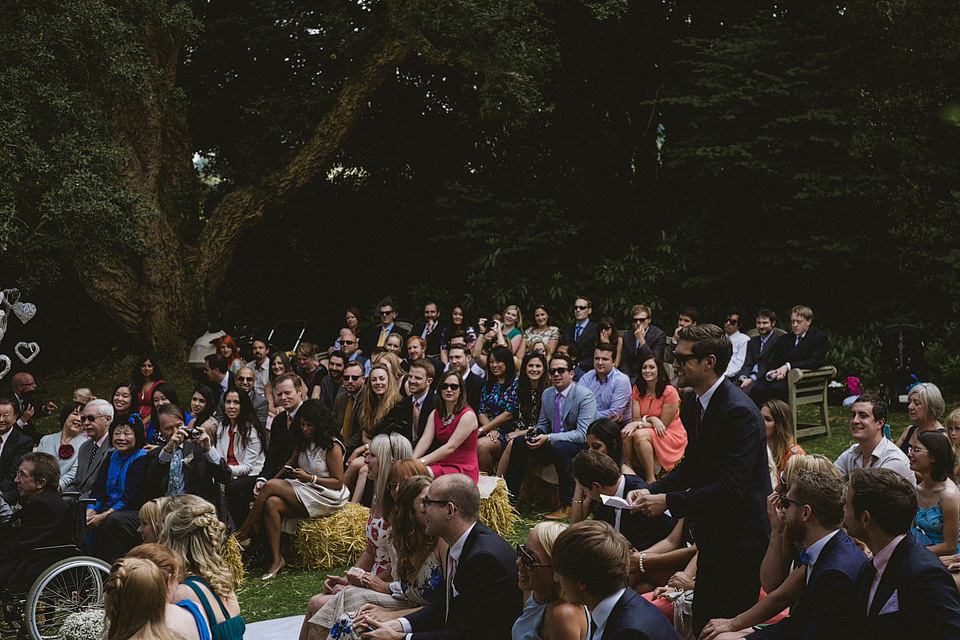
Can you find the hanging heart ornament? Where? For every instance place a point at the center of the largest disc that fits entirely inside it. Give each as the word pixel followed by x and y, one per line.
pixel 24 310
pixel 3 323
pixel 32 349
pixel 5 363
pixel 12 295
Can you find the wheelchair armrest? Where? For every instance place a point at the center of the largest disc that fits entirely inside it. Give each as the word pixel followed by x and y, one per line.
pixel 57 547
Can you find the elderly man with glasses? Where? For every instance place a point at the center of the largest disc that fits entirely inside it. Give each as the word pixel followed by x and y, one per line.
pixel 97 416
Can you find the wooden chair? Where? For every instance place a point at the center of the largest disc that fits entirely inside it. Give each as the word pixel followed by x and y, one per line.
pixel 809 386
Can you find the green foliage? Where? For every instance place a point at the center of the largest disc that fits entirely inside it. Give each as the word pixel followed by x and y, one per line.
pixel 856 355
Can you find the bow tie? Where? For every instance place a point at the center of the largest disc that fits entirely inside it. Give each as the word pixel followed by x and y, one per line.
pixel 805 558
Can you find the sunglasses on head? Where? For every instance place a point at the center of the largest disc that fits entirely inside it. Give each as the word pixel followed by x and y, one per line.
pixel 451 386
pixel 528 561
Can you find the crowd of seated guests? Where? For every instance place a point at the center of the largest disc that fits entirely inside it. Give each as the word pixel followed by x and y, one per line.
pixel 404 423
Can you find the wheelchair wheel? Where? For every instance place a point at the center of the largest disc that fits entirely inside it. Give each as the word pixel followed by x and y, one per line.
pixel 70 586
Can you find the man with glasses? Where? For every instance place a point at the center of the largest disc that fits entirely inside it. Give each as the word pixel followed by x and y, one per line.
pixel 14 444
pixel 582 333
pixel 481 599
pixel 246 379
pixel 376 335
pixel 871 449
pixel 346 407
pixel 97 416
pixel 643 339
pixel 731 326
pixel 722 482
pixel 561 433
pixel 811 516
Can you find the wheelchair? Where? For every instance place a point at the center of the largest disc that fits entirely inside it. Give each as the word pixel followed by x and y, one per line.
pixel 54 583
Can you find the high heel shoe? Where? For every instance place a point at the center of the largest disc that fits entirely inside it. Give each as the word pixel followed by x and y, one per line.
pixel 272 575
pixel 245 543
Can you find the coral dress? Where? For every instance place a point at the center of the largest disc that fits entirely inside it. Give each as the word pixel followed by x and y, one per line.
pixel 670 446
pixel 464 459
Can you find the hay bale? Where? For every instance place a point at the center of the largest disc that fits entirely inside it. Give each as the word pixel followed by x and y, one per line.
pixel 233 557
pixel 495 509
pixel 332 541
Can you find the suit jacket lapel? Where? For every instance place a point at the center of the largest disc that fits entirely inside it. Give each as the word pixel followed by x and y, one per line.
pixel 890 577
pixel 568 403
pixel 608 629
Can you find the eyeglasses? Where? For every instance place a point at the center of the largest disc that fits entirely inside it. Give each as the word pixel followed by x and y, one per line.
pixel 682 358
pixel 89 418
pixel 352 378
pixel 451 386
pixel 558 370
pixel 918 450
pixel 426 502
pixel 731 321
pixel 386 313
pixel 640 319
pixel 348 342
pixel 244 378
pixel 580 307
pixel 528 561
pixel 784 501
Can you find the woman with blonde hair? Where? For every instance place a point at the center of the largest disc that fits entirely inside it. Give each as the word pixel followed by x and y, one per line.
pixel 195 533
pixel 546 616
pixel 184 617
pixel 513 331
pixel 151 519
pixel 377 414
pixel 134 599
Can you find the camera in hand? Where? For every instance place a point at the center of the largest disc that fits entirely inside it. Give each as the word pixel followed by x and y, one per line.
pixel 533 433
pixel 192 434
pixel 490 324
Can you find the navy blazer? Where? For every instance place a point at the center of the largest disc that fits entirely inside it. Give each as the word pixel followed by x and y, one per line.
pixel 826 609
pixel 722 482
pixel 487 599
pixel 579 410
pixel 39 523
pixel 926 605
pixel 474 384
pixel 632 357
pixel 584 345
pixel 283 442
pixel 17 445
pixel 756 356
pixel 433 338
pixel 811 353
pixel 641 531
pixel 633 618
pixel 405 409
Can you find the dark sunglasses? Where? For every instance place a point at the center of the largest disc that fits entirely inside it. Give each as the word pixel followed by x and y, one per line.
pixel 452 386
pixel 386 313
pixel 560 370
pixel 528 561
pixel 682 358
pixel 352 378
pixel 640 319
pixel 89 418
pixel 784 500
pixel 244 378
pixel 348 342
pixel 426 502
pixel 580 307
pixel 731 321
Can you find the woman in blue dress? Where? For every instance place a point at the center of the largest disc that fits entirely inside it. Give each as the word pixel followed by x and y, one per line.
pixel 938 500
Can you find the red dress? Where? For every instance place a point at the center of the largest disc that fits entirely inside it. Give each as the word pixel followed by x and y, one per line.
pixel 464 459
pixel 670 446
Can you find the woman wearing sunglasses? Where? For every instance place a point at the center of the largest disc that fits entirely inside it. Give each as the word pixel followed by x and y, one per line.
pixel 545 615
pixel 454 426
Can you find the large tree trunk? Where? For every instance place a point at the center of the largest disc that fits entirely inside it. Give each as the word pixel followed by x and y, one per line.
pixel 160 298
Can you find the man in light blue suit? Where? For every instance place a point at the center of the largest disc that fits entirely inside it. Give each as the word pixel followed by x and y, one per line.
pixel 561 432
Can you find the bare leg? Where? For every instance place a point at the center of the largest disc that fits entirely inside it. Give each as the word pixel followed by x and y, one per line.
pixel 352 472
pixel 360 486
pixel 505 459
pixel 277 507
pixel 629 455
pixel 315 604
pixel 642 442
pixel 487 454
pixel 271 488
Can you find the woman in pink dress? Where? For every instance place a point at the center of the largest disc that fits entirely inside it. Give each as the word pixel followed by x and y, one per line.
pixel 454 426
pixel 657 434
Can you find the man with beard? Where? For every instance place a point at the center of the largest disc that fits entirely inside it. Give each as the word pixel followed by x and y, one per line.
pixel 812 515
pixel 330 385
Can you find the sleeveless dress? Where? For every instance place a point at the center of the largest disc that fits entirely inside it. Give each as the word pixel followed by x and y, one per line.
pixel 337 615
pixel 317 500
pixel 905 446
pixel 229 629
pixel 464 459
pixel 528 624
pixel 194 609
pixel 669 447
pixel 928 526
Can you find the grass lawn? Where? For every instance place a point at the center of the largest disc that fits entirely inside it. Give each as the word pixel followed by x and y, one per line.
pixel 287 594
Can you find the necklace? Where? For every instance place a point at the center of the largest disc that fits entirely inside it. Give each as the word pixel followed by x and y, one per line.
pixel 547 600
pixel 446 421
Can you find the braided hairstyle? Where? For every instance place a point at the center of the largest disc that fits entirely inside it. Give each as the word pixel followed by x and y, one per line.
pixel 196 534
pixel 135 600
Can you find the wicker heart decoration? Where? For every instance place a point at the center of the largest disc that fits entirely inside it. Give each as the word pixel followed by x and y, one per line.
pixel 24 310
pixel 5 362
pixel 32 350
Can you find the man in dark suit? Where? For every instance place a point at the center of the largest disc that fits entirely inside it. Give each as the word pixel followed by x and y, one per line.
pixel 218 374
pixel 430 329
pixel 459 357
pixel 687 317
pixel 812 515
pixel 346 408
pixel 416 407
pixel 24 392
pixel 41 520
pixel 600 476
pixel 757 361
pixel 561 432
pixel 582 333
pixel 14 445
pixel 643 340
pixel 97 416
pixel 904 591
pixel 591 560
pixel 722 483
pixel 481 599
pixel 376 335
pixel 185 464
pixel 805 349
pixel 331 384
